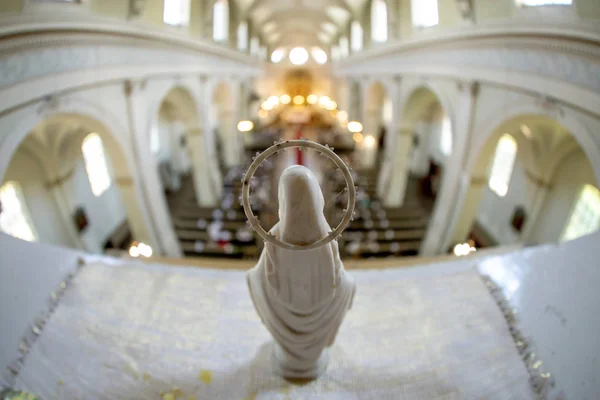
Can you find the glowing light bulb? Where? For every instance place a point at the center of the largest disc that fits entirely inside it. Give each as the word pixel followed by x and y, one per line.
pixel 245 126
pixel 134 251
pixel 312 99
pixel 370 141
pixel 324 100
pixel 285 99
pixel 355 126
pixel 298 100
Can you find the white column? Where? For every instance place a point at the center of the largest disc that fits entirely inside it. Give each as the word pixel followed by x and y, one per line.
pixel 419 158
pixel 228 119
pixel 398 177
pixel 140 230
pixel 394 91
pixel 228 131
pixel 206 195
pixel 151 188
pixel 470 194
pixel 210 153
pixel 449 202
pixel 355 113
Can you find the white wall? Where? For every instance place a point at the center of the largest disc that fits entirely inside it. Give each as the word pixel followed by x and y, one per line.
pixel 495 212
pixel 429 136
pixel 41 204
pixel 572 174
pixel 104 212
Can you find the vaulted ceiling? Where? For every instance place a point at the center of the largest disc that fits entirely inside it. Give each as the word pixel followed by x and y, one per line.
pixel 300 22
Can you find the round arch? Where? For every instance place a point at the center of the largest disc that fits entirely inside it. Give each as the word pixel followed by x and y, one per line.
pixel 183 96
pixel 89 116
pixel 525 152
pixel 176 118
pixel 439 94
pixel 539 167
pixel 578 130
pixel 35 175
pixel 423 114
pixel 181 107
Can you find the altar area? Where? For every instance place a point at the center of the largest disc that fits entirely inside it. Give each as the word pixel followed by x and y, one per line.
pixel 129 330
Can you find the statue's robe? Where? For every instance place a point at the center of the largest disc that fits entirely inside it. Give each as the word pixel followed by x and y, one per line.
pixel 301 295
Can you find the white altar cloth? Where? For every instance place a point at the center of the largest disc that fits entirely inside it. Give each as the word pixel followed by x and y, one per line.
pixel 143 332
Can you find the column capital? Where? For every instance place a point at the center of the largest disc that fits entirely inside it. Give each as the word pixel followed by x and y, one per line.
pixel 537 181
pixel 478 180
pixel 469 86
pixel 195 132
pixel 406 132
pixel 124 181
pixel 60 180
pixel 131 86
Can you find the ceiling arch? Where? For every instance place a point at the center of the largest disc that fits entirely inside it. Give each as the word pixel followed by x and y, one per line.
pixel 300 22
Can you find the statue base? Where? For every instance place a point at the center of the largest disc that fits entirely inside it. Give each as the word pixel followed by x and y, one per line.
pixel 285 367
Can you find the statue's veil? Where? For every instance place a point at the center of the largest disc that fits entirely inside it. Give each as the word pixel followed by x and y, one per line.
pixel 302 279
pixel 301 206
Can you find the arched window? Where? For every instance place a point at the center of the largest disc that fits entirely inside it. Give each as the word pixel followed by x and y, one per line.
pixel 585 217
pixel 502 166
pixel 533 3
pixel 220 20
pixel 242 36
pixel 14 216
pixel 424 13
pixel 356 36
pixel 446 137
pixel 176 12
pixel 344 49
pixel 379 21
pixel 95 164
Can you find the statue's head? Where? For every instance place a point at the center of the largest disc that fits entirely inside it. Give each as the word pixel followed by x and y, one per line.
pixel 301 206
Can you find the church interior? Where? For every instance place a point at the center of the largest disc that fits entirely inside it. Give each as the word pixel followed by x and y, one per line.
pixel 471 131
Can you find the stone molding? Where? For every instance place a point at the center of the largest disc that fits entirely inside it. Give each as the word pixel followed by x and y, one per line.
pixel 569 53
pixel 34 50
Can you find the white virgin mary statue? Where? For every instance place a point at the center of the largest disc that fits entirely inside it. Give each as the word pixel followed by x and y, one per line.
pixel 301 295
